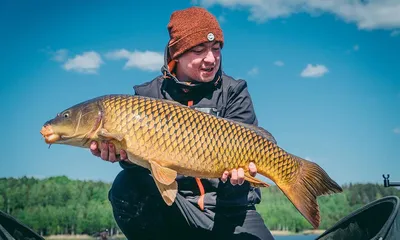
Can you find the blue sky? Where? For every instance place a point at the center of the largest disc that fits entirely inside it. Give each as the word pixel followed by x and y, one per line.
pixel 324 76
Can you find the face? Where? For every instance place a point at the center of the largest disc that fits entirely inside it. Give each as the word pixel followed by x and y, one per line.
pixel 200 63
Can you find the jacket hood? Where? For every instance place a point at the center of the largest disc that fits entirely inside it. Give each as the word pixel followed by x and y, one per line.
pixel 187 85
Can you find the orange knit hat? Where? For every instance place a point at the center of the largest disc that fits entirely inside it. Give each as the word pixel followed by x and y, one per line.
pixel 190 27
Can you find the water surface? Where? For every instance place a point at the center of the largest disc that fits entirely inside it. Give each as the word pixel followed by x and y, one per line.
pixel 296 237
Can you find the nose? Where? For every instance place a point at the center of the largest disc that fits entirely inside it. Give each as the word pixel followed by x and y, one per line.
pixel 209 58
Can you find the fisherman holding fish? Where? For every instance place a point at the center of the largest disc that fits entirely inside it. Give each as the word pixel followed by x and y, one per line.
pixel 179 135
pixel 193 76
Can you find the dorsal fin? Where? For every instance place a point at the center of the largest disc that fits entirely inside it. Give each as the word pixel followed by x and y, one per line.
pixel 259 130
pixel 173 102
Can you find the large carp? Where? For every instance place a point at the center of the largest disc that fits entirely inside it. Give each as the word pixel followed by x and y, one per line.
pixel 169 139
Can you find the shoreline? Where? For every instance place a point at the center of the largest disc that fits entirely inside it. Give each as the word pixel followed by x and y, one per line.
pixel 305 232
pixel 274 232
pixel 80 237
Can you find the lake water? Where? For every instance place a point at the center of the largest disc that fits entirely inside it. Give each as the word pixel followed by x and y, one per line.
pixel 297 237
pixel 293 237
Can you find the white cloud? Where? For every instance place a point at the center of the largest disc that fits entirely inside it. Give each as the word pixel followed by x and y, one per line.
pixel 88 62
pixel 253 71
pixel 396 130
pixel 279 63
pixel 314 71
pixel 147 60
pixel 60 55
pixel 395 33
pixel 371 14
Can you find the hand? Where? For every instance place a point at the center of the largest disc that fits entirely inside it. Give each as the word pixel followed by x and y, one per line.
pixel 106 151
pixel 238 175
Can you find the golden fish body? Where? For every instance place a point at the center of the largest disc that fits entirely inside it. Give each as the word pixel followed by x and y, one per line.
pixel 169 139
pixel 192 142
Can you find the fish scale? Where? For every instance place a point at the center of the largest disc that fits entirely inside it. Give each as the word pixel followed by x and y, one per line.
pixel 169 138
pixel 238 145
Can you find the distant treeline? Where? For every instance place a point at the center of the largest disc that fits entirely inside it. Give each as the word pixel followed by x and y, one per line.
pixel 59 205
pixel 280 214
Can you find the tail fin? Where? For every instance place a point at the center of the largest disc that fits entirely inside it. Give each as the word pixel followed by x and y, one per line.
pixel 312 181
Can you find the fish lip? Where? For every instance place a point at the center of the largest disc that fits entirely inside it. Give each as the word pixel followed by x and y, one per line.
pixel 51 137
pixel 46 130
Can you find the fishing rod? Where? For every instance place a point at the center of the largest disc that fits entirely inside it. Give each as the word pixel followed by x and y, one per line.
pixel 386 182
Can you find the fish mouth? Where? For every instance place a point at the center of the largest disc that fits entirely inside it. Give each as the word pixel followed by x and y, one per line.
pixel 49 135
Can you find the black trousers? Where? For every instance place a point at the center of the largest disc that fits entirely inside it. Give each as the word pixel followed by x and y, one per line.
pixel 141 213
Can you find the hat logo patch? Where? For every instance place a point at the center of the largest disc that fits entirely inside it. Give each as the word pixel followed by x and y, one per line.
pixel 210 37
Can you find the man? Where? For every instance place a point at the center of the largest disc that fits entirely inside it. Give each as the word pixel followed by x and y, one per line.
pixel 192 75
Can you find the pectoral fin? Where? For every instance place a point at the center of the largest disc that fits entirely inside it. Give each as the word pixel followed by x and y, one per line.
pixel 254 181
pixel 162 174
pixel 165 181
pixel 168 192
pixel 108 135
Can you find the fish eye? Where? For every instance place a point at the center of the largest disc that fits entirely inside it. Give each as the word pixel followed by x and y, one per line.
pixel 65 115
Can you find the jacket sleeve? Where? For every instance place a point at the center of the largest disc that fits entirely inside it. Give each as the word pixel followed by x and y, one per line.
pixel 239 106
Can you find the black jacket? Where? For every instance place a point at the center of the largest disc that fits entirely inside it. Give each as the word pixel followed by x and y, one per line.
pixel 224 97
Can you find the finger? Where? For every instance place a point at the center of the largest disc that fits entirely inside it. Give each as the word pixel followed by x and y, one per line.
pixel 253 169
pixel 240 176
pixel 234 177
pixel 225 176
pixel 104 151
pixel 123 155
pixel 111 153
pixel 94 149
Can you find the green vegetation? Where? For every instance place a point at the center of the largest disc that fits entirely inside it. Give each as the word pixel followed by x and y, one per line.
pixel 280 214
pixel 59 205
